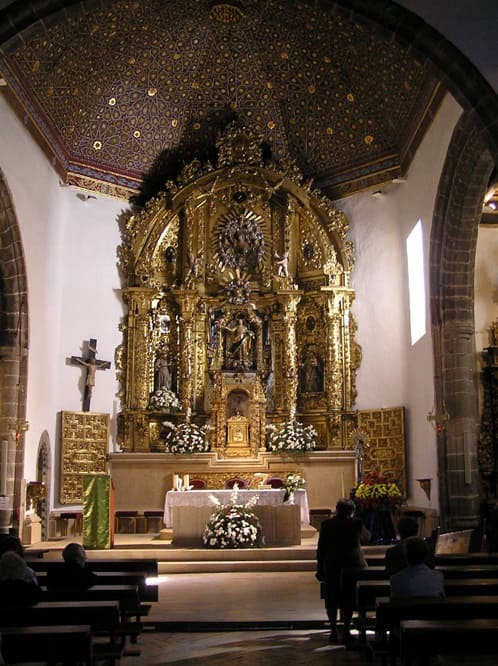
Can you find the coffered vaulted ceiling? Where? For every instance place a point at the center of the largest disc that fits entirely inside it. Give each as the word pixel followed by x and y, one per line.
pixel 107 90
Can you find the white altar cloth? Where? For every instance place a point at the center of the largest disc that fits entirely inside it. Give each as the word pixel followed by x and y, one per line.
pixel 201 498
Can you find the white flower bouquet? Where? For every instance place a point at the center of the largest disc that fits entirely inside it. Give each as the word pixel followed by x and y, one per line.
pixel 293 436
pixel 292 483
pixel 233 525
pixel 164 399
pixel 186 437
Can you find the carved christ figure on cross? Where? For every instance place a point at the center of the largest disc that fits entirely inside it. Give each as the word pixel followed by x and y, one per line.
pixel 91 364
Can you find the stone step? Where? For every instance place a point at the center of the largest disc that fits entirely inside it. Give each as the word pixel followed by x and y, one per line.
pixel 230 566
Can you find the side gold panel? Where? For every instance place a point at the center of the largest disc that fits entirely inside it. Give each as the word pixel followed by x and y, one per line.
pixel 84 449
pixel 385 451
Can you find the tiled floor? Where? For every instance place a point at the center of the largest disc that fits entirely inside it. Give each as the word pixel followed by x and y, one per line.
pixel 221 601
pixel 196 621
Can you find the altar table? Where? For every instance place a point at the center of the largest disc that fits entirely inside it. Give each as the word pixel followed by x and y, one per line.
pixel 200 498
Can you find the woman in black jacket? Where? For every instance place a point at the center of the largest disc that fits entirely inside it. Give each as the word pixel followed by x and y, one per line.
pixel 339 547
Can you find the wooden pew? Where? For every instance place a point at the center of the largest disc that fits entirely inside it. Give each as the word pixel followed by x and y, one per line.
pixel 389 613
pixel 53 644
pixel 350 576
pixel 148 566
pixel 419 639
pixel 463 559
pixel 127 596
pixel 103 617
pixel 367 591
pixel 147 593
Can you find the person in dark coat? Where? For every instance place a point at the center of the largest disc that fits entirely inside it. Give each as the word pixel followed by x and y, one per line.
pixel 339 546
pixel 74 574
pixel 395 557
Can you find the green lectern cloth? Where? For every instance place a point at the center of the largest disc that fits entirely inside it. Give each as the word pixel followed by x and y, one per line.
pixel 98 511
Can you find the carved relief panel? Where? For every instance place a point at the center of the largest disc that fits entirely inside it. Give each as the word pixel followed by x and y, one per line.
pixel 84 446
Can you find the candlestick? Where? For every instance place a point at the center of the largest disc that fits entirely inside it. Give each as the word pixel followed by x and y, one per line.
pixel 3 471
pixel 342 484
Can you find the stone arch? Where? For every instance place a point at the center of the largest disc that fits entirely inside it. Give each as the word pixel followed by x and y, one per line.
pixel 13 346
pixel 458 210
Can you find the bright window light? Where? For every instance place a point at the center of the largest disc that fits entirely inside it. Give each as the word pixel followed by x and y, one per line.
pixel 416 282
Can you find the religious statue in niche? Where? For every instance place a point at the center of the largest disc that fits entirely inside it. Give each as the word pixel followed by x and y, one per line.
pixel 311 373
pixel 282 264
pixel 239 345
pixel 194 266
pixel 162 374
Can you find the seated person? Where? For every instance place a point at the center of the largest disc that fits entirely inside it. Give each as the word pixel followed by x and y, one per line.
pixel 14 586
pixel 74 574
pixel 13 543
pixel 416 579
pixel 395 558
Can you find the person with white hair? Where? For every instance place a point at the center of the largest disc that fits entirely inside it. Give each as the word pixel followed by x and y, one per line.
pixel 14 587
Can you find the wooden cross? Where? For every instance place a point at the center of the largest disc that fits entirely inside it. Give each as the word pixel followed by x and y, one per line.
pixel 91 364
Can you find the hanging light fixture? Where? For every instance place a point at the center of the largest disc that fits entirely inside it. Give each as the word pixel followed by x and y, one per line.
pixel 438 420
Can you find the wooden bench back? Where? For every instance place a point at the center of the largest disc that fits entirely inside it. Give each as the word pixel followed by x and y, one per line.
pixel 149 567
pixel 53 644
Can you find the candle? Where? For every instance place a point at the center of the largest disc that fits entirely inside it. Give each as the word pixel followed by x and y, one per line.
pixel 186 481
pixel 342 484
pixel 3 471
pixel 175 481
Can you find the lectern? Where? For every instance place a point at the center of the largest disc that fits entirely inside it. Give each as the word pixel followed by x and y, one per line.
pixel 98 511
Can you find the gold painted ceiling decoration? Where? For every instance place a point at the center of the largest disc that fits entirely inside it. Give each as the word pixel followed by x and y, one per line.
pixel 110 89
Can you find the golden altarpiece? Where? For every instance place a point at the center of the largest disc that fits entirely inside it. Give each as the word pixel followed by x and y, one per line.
pixel 238 301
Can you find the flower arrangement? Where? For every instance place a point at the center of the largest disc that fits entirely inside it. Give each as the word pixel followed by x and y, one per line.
pixel 291 483
pixel 164 399
pixel 186 437
pixel 233 525
pixel 377 490
pixel 292 436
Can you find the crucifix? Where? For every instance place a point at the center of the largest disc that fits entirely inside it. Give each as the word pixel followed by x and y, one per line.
pixel 91 364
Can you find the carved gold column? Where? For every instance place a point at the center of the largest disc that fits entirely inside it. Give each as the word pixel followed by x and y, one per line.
pixel 138 367
pixel 200 360
pixel 289 302
pixel 338 378
pixel 133 429
pixel 187 302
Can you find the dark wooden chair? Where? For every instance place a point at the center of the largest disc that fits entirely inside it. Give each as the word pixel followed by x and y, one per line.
pixel 154 521
pixel 198 484
pixel 126 522
pixel 275 482
pixel 242 483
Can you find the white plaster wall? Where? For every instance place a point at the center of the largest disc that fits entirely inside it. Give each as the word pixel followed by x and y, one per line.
pixel 37 203
pixel 393 373
pixel 73 286
pixel 486 283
